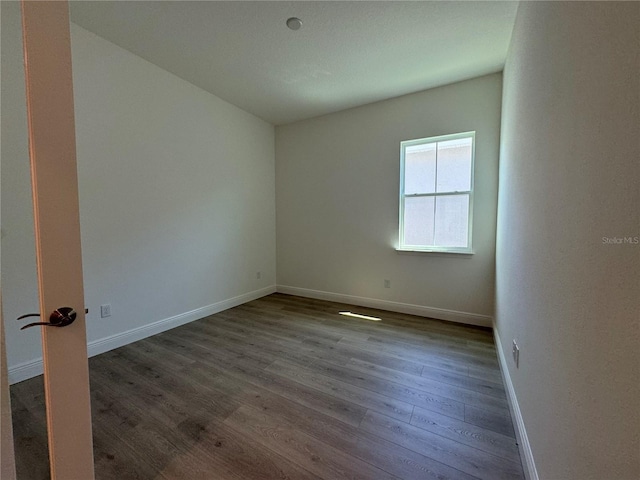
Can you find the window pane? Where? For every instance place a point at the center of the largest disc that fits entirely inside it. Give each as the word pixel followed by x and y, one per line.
pixel 452 221
pixel 454 165
pixel 418 220
pixel 420 169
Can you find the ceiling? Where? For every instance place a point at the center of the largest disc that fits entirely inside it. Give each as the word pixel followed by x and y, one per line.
pixel 346 54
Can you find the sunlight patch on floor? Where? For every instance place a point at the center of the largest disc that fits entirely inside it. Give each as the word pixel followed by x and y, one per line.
pixel 357 315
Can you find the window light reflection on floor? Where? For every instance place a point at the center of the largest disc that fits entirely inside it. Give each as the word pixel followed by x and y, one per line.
pixel 357 315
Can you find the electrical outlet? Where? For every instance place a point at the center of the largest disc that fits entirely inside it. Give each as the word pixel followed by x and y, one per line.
pixel 105 310
pixel 258 275
pixel 387 284
pixel 515 350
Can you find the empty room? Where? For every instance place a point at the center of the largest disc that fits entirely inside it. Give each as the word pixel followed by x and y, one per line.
pixel 320 240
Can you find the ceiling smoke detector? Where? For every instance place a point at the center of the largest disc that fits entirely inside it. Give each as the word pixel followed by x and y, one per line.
pixel 294 23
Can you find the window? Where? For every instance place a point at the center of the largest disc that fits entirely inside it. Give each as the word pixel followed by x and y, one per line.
pixel 436 193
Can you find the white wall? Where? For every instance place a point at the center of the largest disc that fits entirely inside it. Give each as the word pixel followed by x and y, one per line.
pixel 569 176
pixel 177 198
pixel 18 269
pixel 337 181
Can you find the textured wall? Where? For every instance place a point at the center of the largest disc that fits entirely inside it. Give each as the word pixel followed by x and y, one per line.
pixel 177 198
pixel 337 184
pixel 569 176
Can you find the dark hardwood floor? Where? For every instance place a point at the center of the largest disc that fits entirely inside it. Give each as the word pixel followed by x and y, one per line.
pixel 286 388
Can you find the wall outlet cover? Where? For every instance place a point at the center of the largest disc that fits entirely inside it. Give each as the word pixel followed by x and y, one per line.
pixel 105 310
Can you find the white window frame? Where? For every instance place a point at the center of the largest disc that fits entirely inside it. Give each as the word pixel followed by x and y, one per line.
pixel 435 248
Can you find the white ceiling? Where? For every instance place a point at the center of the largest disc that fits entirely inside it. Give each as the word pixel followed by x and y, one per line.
pixel 346 53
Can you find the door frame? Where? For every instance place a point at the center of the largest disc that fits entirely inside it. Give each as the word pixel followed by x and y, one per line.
pixel 54 178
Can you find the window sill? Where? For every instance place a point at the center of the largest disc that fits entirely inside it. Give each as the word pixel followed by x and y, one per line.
pixel 444 253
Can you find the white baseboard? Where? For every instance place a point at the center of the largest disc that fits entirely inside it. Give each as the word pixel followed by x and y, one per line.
pixel 530 471
pixel 33 368
pixel 431 312
pixel 25 370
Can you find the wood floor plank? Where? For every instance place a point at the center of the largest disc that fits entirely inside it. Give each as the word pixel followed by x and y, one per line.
pixel 248 340
pixel 479 385
pixel 369 355
pixel 224 454
pixel 308 452
pixel 212 350
pixel 31 394
pixel 282 325
pixel 30 440
pixel 468 459
pixel 146 451
pixel 381 453
pixel 150 400
pixel 390 320
pixel 486 373
pixel 343 409
pixel 461 394
pixel 114 415
pixel 332 406
pixel 439 355
pixel 450 347
pixel 285 387
pixel 340 327
pixel 424 357
pixel 489 419
pixel 180 389
pixel 403 392
pixel 469 434
pixel 359 396
pixel 154 354
pixel 140 396
pixel 113 462
pixel 193 450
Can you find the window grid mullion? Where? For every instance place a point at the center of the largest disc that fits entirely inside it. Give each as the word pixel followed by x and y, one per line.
pixel 435 198
pixel 441 194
